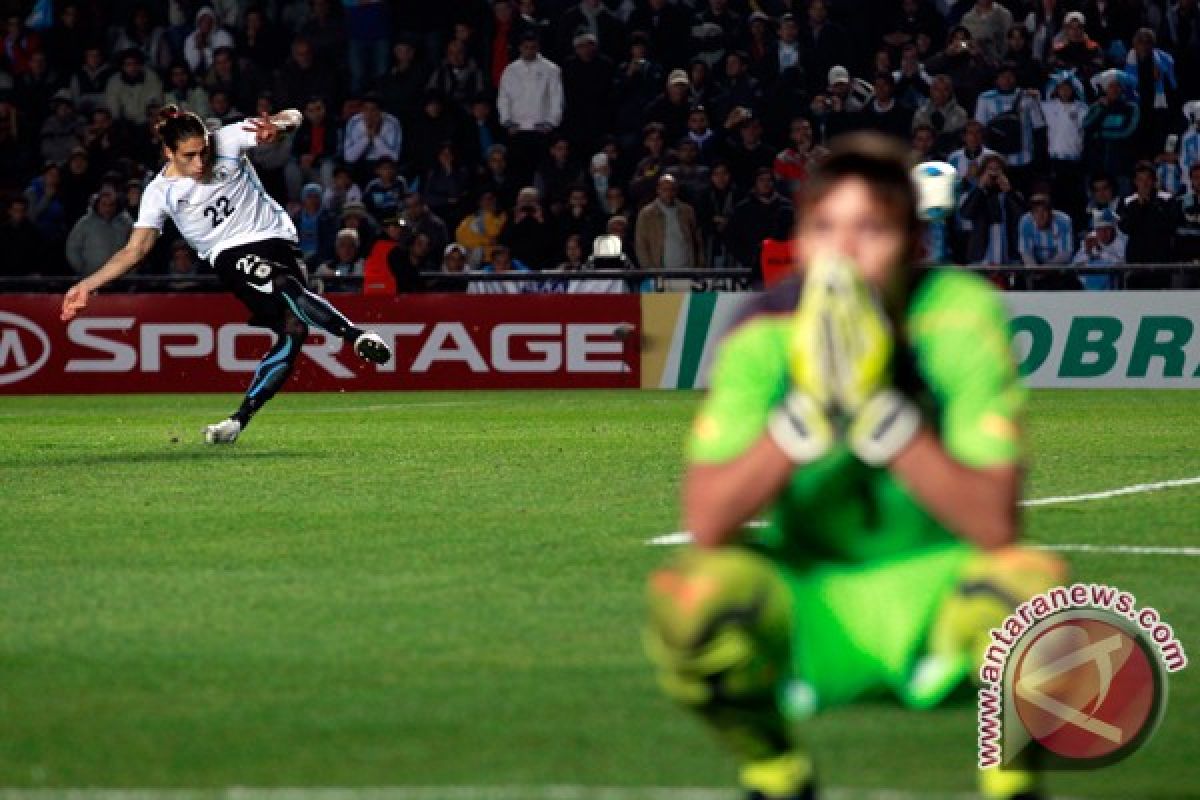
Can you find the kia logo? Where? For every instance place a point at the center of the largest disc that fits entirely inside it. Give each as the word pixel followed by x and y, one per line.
pixel 24 348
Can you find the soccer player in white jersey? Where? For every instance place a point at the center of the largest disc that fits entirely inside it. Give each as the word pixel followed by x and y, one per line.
pixel 212 193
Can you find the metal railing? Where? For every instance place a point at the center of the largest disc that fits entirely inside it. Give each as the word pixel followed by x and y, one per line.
pixel 730 279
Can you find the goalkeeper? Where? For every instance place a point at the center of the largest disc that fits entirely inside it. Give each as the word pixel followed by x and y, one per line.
pixel 873 411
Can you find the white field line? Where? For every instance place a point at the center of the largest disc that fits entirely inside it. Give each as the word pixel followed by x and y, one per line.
pixel 1126 549
pixel 1137 488
pixel 683 537
pixel 452 793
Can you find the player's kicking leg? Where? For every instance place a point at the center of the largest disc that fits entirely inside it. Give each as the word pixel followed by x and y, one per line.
pixel 317 312
pixel 284 297
pixel 269 377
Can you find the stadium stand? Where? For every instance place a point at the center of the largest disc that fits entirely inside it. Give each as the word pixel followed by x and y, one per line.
pixel 441 114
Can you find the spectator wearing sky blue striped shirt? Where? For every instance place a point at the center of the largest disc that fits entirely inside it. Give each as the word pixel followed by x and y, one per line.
pixel 1046 236
pixel 1006 97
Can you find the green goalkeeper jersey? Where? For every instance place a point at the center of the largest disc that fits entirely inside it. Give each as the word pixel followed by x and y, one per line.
pixel 955 362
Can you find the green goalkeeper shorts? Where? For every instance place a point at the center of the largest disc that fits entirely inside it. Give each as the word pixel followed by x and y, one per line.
pixel 858 628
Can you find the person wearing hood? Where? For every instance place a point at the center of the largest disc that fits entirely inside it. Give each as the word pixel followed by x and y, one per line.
pixel 201 43
pixel 63 130
pixel 1110 123
pixel 1064 112
pixel 315 227
pixel 454 262
pixel 98 235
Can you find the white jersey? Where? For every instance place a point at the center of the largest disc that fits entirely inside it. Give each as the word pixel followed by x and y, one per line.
pixel 229 210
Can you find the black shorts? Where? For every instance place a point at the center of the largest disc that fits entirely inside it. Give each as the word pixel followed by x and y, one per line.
pixel 250 272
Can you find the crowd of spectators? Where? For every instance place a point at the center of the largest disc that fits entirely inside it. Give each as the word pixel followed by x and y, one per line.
pixel 506 135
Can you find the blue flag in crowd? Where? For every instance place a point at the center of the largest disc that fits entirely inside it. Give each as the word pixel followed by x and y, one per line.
pixel 41 18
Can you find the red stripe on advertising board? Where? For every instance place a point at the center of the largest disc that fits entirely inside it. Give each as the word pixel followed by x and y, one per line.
pixel 200 343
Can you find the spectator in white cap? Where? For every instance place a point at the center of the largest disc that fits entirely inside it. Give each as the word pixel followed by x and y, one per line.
pixel 835 110
pixel 1104 245
pixel 587 78
pixel 1074 50
pixel 199 46
pixel 842 87
pixel 670 109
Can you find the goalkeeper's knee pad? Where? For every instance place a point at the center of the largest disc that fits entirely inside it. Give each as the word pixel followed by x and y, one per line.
pixel 719 626
pixel 991 586
pixel 719 635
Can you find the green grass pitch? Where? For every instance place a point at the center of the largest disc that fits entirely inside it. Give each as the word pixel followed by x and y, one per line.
pixel 445 589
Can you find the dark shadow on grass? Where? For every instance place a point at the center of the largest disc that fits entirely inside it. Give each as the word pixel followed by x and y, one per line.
pixel 172 456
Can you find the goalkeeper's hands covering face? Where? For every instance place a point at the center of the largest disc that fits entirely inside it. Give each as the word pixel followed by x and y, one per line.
pixel 841 353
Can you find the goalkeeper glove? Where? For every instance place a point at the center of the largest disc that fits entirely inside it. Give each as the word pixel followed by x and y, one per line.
pixel 841 340
pixel 842 347
pixel 800 428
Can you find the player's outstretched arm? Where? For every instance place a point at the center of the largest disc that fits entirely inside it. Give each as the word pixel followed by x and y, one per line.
pixel 140 243
pixel 268 127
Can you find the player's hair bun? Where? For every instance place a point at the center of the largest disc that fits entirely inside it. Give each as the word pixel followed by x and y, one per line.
pixel 165 115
